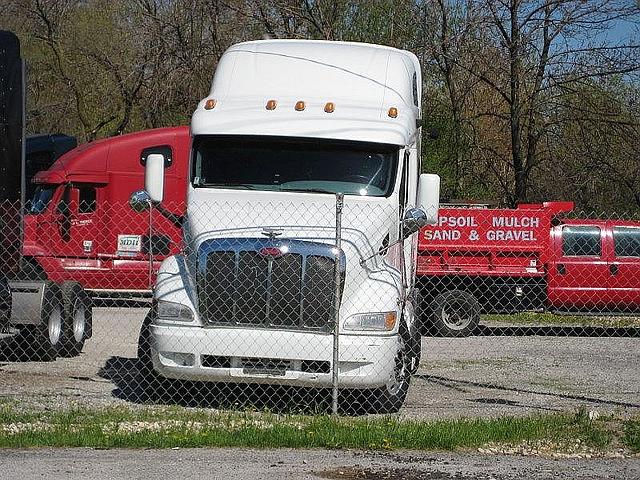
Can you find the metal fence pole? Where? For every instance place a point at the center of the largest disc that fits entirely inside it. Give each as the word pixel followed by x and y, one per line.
pixel 336 304
pixel 151 284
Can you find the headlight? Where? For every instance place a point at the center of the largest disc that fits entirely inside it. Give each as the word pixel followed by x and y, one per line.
pixel 380 322
pixel 174 311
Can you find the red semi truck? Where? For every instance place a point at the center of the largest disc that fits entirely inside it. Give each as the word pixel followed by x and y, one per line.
pixel 79 225
pixel 529 258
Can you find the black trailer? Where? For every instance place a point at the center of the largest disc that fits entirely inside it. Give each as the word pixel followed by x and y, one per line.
pixel 42 319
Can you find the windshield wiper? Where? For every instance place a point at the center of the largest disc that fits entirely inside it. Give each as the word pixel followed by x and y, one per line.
pixel 307 190
pixel 246 186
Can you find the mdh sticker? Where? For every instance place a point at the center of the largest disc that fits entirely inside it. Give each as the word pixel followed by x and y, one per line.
pixel 129 245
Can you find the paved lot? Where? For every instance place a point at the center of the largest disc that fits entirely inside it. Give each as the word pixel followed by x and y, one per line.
pixel 58 464
pixel 477 376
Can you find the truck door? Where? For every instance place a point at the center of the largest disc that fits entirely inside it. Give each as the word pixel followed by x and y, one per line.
pixel 578 273
pixel 77 232
pixel 624 268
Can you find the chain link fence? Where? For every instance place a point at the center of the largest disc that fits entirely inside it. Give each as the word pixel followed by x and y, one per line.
pixel 311 306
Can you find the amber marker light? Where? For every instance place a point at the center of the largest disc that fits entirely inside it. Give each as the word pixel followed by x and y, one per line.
pixel 299 106
pixel 393 112
pixel 329 107
pixel 271 105
pixel 390 320
pixel 210 104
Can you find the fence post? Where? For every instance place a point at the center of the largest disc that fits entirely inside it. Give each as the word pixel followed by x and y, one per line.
pixel 151 284
pixel 336 304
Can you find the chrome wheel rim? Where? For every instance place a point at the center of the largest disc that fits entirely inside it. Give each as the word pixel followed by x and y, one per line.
pixel 454 318
pixel 78 322
pixel 398 376
pixel 54 325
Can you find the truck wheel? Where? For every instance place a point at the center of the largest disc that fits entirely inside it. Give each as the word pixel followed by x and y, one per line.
pixel 45 339
pixel 77 318
pixel 145 364
pixel 151 385
pixel 414 338
pixel 5 305
pixel 455 314
pixel 389 399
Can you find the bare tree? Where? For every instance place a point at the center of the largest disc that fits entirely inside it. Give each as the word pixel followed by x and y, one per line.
pixel 545 44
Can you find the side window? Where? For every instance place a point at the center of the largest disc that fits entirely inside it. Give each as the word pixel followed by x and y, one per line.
pixel 86 199
pixel 626 241
pixel 579 241
pixel 162 149
pixel 415 88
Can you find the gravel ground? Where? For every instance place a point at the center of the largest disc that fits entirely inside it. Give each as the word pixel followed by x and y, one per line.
pixel 55 464
pixel 477 376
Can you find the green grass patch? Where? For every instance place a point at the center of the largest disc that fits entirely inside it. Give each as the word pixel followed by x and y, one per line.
pixel 631 437
pixel 532 318
pixel 178 427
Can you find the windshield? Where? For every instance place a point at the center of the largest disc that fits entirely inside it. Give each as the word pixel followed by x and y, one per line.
pixel 41 198
pixel 294 164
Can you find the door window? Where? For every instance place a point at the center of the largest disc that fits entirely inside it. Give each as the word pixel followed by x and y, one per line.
pixel 581 241
pixel 86 199
pixel 40 200
pixel 626 241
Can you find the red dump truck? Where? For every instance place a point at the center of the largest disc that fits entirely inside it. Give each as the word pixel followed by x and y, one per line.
pixel 479 259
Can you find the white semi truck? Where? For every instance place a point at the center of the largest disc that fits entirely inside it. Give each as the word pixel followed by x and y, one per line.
pixel 302 207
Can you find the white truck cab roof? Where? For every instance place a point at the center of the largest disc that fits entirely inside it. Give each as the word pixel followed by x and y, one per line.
pixel 362 81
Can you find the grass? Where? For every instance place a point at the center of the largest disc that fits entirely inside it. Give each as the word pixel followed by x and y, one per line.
pixel 178 427
pixel 632 434
pixel 533 318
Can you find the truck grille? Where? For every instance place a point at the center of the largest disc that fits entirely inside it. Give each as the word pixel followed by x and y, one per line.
pixel 267 283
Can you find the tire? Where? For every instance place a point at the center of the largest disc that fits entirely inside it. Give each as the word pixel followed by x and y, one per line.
pixel 145 364
pixel 391 397
pixel 77 318
pixel 5 305
pixel 151 384
pixel 455 314
pixel 44 341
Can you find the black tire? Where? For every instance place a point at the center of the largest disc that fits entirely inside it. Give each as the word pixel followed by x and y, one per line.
pixel 391 397
pixel 5 304
pixel 152 386
pixel 44 340
pixel 455 314
pixel 415 351
pixel 77 318
pixel 145 364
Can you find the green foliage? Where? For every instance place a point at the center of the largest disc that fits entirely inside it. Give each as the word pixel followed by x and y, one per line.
pixel 632 434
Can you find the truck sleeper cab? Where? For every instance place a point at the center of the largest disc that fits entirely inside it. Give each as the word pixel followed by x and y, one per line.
pixel 288 125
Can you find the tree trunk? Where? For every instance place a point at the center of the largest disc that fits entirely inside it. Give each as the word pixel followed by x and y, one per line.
pixel 520 176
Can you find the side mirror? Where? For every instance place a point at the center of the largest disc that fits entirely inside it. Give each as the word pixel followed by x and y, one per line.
pixel 414 219
pixel 154 177
pixel 140 201
pixel 429 197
